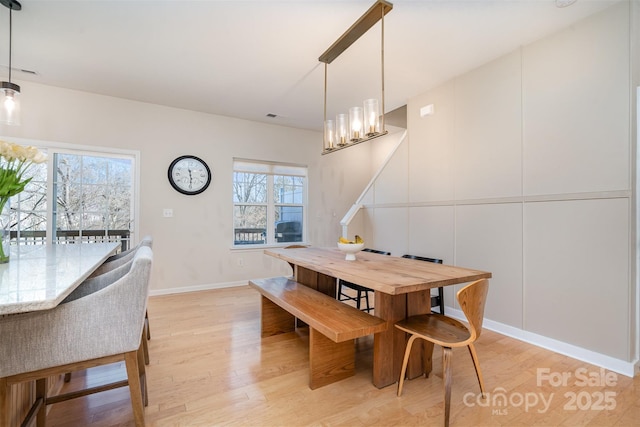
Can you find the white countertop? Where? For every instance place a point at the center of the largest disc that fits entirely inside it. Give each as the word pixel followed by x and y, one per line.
pixel 39 277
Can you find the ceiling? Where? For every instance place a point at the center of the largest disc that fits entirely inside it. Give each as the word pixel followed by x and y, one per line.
pixel 248 58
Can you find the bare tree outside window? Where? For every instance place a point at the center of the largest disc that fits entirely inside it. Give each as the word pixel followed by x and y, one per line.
pixel 29 208
pixel 92 193
pixel 250 199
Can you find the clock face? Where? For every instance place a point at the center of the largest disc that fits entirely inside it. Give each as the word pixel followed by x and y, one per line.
pixel 189 175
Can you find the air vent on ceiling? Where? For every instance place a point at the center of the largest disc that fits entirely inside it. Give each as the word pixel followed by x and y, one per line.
pixel 564 3
pixel 20 70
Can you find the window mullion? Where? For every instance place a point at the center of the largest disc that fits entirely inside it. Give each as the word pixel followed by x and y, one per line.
pixel 52 205
pixel 271 213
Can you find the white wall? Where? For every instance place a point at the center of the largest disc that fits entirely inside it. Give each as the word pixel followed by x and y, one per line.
pixel 192 250
pixel 525 170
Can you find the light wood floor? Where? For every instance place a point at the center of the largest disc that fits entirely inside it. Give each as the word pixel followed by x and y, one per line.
pixel 210 367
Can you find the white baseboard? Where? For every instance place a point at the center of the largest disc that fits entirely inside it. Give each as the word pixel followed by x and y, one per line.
pixel 616 365
pixel 206 287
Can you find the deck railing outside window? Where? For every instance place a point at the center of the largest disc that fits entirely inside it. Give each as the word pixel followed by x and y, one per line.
pixel 249 236
pixel 73 236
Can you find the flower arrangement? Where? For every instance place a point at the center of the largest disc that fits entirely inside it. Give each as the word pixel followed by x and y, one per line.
pixel 14 161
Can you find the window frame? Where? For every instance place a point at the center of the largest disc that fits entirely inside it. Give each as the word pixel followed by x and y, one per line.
pixel 272 169
pixel 53 148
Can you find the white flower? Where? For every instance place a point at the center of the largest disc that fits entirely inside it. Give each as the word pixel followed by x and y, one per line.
pixel 14 161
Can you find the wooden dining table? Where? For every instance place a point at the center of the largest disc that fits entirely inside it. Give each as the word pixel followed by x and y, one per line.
pixel 402 288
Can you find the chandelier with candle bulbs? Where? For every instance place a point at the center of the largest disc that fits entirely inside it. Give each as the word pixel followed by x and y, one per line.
pixel 361 123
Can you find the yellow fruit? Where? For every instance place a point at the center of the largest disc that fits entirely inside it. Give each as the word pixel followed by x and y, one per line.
pixel 351 242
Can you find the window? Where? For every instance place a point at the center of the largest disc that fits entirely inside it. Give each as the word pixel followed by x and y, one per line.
pixel 269 201
pixel 92 194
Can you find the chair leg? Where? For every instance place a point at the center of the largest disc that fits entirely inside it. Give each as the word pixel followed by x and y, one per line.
pixel 41 394
pixel 359 297
pixel 407 352
pixel 145 345
pixel 366 299
pixel 427 348
pixel 476 364
pixel 146 323
pixel 447 354
pixel 142 372
pixel 4 403
pixel 135 388
pixel 441 297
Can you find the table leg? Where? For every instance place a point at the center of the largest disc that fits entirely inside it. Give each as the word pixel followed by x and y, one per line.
pixel 421 353
pixel 318 281
pixel 388 346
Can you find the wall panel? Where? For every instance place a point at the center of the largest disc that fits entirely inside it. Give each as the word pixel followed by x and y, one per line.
pixel 576 281
pixel 431 150
pixel 391 186
pixel 390 230
pixel 431 234
pixel 488 132
pixel 489 237
pixel 576 99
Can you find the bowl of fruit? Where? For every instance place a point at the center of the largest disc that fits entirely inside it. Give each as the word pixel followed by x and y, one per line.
pixel 350 247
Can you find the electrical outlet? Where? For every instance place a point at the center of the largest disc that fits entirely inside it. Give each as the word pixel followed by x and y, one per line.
pixel 167 213
pixel 240 262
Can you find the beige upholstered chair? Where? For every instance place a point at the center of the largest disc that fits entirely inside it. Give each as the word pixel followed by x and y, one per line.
pixel 448 333
pixel 121 258
pixel 118 260
pixel 101 322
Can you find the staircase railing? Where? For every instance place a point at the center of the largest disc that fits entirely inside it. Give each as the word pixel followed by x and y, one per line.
pixel 355 208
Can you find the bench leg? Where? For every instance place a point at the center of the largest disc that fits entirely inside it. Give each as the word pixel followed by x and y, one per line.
pixel 275 320
pixel 329 361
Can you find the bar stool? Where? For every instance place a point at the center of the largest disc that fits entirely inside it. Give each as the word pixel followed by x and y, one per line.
pixel 104 320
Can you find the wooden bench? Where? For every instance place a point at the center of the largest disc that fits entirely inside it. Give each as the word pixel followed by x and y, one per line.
pixel 333 326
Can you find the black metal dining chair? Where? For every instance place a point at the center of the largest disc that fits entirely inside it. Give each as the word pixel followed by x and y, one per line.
pixel 436 300
pixel 360 290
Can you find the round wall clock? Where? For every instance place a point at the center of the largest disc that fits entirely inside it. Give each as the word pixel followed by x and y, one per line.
pixel 189 175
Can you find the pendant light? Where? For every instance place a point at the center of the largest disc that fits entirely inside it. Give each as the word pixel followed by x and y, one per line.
pixel 362 123
pixel 10 92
